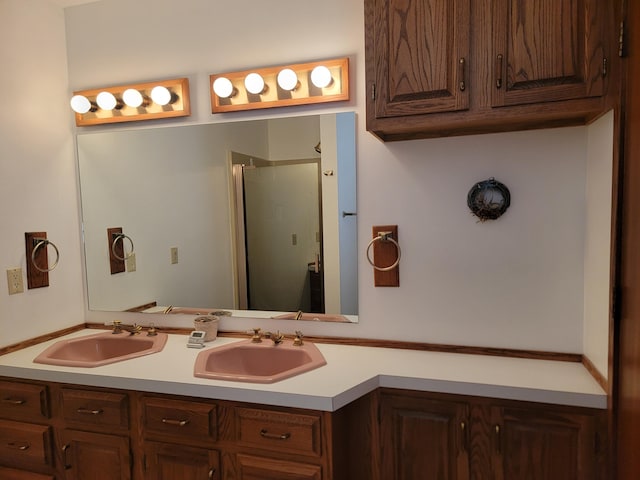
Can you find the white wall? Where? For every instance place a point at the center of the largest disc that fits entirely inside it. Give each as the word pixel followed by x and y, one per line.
pixel 37 169
pixel 517 282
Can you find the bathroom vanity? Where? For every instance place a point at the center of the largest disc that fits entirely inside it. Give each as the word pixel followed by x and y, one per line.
pixel 369 413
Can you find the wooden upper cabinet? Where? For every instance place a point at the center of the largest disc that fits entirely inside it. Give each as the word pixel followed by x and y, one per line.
pixel 421 51
pixel 456 67
pixel 546 50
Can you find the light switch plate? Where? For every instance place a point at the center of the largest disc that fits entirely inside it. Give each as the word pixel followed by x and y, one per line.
pixel 131 262
pixel 174 255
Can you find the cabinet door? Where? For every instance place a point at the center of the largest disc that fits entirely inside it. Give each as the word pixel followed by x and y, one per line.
pixel 165 461
pixel 547 50
pixel 423 438
pixel 540 444
pixel 417 56
pixel 95 455
pixel 260 468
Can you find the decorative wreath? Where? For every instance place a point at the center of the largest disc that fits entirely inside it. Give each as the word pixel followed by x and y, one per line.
pixel 488 199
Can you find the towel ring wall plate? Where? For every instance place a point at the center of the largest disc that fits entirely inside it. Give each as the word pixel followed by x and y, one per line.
pixel 386 252
pixel 37 259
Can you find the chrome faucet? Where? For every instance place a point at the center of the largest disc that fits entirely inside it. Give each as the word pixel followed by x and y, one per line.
pixel 298 315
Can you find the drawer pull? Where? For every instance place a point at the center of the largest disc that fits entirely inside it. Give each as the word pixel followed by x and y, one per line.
pixel 177 423
pixel 275 436
pixel 89 411
pixel 18 446
pixel 14 401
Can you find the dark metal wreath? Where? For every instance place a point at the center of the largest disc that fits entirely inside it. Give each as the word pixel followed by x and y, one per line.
pixel 488 199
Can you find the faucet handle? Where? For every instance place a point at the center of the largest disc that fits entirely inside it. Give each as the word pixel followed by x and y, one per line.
pixel 257 335
pixel 152 331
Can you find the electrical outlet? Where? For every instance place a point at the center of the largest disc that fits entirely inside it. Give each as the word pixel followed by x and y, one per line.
pixel 131 262
pixel 294 239
pixel 174 255
pixel 14 281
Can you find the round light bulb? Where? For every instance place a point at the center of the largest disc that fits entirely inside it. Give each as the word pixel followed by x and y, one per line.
pixel 161 95
pixel 132 98
pixel 106 101
pixel 321 76
pixel 254 83
pixel 80 104
pixel 287 79
pixel 223 87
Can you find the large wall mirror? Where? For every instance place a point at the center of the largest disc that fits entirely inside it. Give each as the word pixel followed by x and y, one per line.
pixel 251 218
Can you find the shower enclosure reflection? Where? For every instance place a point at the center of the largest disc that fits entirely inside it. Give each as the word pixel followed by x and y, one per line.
pixel 171 189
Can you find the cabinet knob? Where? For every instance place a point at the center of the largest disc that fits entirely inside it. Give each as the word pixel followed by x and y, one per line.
pixel 498 71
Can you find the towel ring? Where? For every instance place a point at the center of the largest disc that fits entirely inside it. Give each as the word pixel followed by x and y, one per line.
pixel 39 243
pixel 120 236
pixel 384 237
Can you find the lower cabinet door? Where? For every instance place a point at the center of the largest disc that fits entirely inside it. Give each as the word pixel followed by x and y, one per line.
pixel 164 461
pixel 540 444
pixel 95 456
pixel 252 467
pixel 423 438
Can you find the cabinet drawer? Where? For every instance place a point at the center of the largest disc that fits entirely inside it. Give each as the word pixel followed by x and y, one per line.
pixel 23 401
pixel 10 474
pixel 271 430
pixel 95 408
pixel 182 418
pixel 25 444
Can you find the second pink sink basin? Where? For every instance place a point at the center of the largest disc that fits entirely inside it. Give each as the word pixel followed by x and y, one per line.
pixel 101 349
pixel 264 362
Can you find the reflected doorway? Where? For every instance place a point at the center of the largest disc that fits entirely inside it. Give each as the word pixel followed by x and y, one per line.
pixel 278 234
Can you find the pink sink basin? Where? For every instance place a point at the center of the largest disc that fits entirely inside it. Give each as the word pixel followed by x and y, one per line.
pixel 101 349
pixel 257 362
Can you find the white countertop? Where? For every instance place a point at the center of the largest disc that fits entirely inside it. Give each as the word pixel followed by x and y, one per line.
pixel 350 372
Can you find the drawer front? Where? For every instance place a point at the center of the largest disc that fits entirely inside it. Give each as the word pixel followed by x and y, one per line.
pixel 180 418
pixel 25 444
pixel 95 408
pixel 291 432
pixel 23 401
pixel 11 474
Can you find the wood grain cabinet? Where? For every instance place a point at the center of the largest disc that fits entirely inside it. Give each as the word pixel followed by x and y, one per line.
pixel 449 437
pixel 451 67
pixel 94 439
pixel 26 436
pixel 165 461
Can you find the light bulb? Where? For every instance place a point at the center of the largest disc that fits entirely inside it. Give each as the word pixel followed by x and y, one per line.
pixel 254 83
pixel 161 95
pixel 223 87
pixel 321 76
pixel 106 101
pixel 287 79
pixel 132 98
pixel 80 104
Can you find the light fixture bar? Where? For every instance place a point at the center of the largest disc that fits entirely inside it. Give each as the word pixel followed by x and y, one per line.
pixel 236 97
pixel 174 92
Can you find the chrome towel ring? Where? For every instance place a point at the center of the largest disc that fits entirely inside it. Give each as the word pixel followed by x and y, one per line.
pixel 121 236
pixel 384 237
pixel 39 243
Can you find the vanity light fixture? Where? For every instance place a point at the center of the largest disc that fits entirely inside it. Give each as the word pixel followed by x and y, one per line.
pixel 126 103
pixel 280 86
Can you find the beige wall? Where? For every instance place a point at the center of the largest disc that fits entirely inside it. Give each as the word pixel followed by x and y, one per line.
pixel 37 168
pixel 518 282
